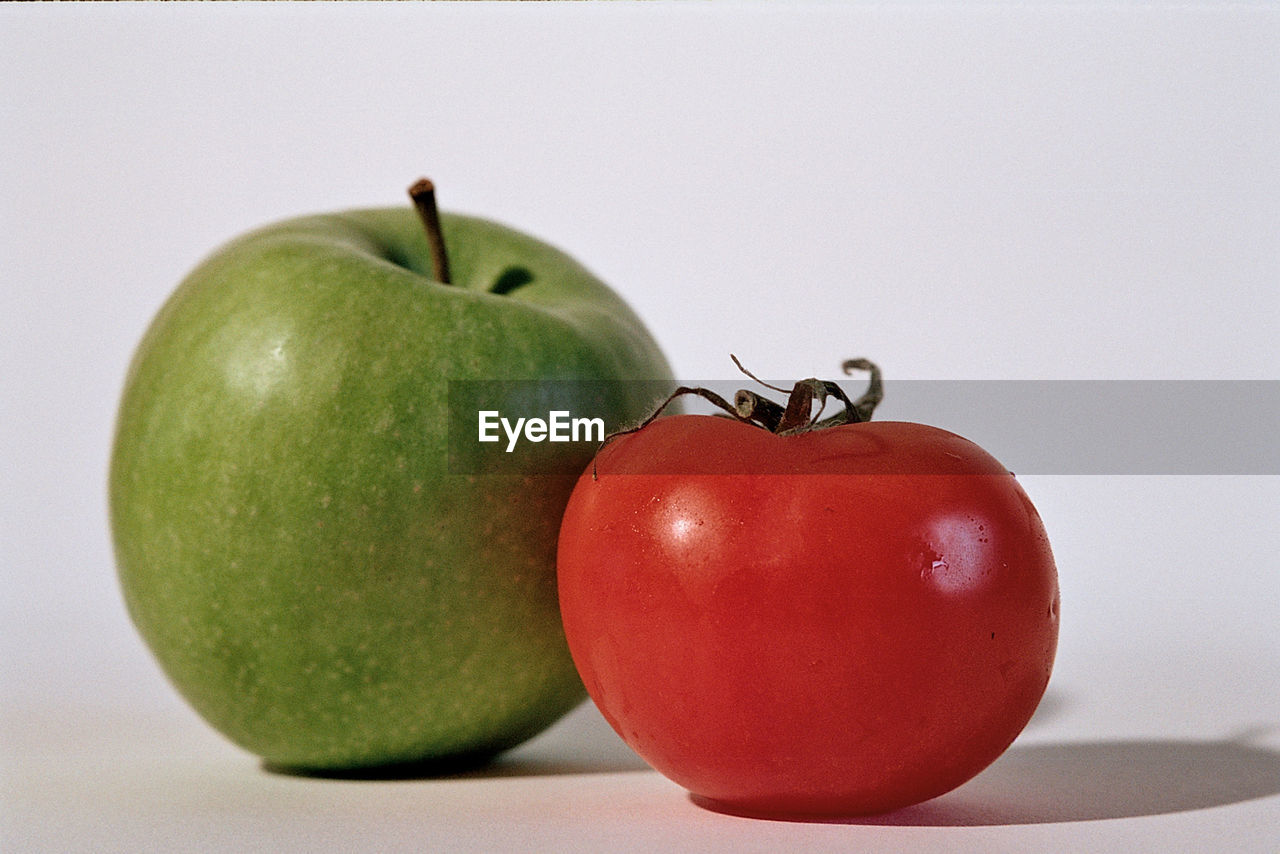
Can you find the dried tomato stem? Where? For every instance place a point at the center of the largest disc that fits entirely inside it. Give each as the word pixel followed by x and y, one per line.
pixel 762 410
pixel 871 398
pixel 796 417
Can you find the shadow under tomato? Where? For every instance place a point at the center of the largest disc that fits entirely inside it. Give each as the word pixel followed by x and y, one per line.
pixel 1050 783
pixel 1050 707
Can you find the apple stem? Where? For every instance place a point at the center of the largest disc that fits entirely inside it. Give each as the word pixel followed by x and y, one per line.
pixel 423 193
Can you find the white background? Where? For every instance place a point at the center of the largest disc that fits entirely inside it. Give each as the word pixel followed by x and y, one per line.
pixel 1000 191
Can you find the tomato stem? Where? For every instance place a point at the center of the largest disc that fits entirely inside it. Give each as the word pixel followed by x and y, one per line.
pixel 752 407
pixel 423 193
pixel 796 417
pixel 871 398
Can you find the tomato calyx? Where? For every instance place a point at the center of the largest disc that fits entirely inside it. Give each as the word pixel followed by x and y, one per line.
pixel 797 416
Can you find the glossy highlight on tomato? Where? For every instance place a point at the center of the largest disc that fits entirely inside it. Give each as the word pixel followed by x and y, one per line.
pixel 838 622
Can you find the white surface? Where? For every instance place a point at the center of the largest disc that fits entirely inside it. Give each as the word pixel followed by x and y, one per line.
pixel 1074 192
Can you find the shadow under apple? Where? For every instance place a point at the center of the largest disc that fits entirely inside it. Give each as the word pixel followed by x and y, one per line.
pixel 580 743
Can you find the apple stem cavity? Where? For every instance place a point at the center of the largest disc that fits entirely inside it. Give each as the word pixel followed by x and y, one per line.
pixel 423 193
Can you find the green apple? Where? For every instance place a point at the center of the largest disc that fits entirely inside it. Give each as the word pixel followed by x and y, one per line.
pixel 293 545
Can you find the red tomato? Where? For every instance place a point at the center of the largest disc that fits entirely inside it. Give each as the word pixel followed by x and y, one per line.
pixel 842 621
